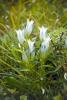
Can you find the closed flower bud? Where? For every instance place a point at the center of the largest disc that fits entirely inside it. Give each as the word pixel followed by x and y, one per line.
pixel 42 32
pixel 20 35
pixel 31 45
pixel 29 26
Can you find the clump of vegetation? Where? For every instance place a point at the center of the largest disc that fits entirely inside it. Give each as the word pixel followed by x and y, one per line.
pixel 33 54
pixel 32 63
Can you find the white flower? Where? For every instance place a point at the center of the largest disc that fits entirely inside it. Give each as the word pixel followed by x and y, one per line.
pixel 29 26
pixel 47 40
pixel 45 44
pixel 42 32
pixel 31 45
pixel 20 35
pixel 65 76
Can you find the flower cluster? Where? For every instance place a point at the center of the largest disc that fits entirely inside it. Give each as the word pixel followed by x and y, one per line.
pixel 27 30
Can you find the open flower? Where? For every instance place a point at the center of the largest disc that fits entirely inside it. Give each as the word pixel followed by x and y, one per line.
pixel 29 26
pixel 20 35
pixel 45 44
pixel 42 32
pixel 31 46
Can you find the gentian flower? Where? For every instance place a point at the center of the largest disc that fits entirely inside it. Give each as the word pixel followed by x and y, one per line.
pixel 20 35
pixel 29 26
pixel 31 46
pixel 42 32
pixel 45 44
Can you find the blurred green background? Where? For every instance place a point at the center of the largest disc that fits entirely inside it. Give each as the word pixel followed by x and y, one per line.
pixel 52 13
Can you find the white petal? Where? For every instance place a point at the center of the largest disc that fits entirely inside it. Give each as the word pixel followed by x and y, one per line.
pixel 42 32
pixel 20 35
pixel 47 40
pixel 31 45
pixel 29 26
pixel 45 44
